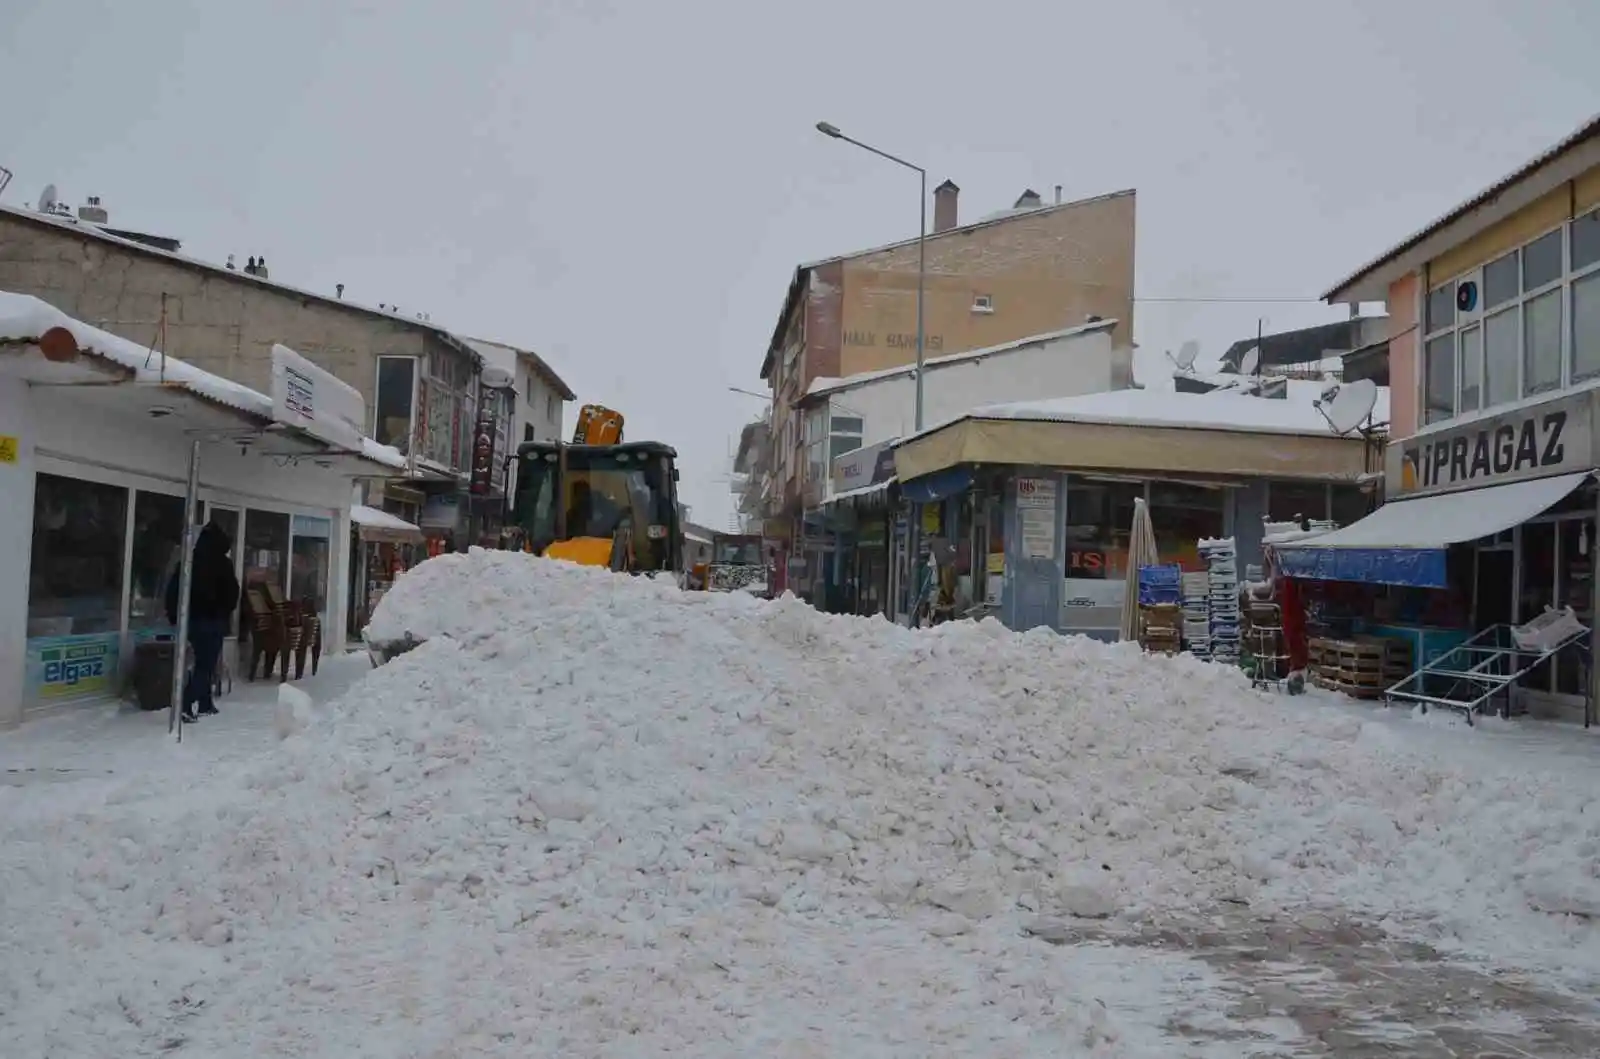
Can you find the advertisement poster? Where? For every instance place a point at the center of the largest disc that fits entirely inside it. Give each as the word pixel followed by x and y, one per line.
pixel 61 668
pixel 1036 511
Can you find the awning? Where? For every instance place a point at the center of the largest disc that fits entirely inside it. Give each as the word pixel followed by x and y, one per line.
pixel 934 487
pixel 1404 542
pixel 375 525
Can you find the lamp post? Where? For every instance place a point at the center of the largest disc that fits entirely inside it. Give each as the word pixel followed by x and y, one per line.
pixel 833 132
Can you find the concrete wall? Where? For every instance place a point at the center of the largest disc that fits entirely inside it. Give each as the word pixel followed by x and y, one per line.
pixel 1042 271
pixel 107 437
pixel 224 322
pixel 1062 367
pixel 538 406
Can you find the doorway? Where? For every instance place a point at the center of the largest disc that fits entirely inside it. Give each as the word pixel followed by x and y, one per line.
pixel 1492 599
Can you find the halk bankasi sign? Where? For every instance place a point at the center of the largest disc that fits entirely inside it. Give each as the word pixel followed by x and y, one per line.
pixel 1554 437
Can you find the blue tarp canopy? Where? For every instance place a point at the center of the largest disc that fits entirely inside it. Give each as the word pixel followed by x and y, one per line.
pixel 1404 542
pixel 938 485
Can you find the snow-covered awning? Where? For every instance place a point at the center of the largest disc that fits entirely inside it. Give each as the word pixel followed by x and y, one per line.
pixel 28 321
pixel 1404 542
pixel 376 525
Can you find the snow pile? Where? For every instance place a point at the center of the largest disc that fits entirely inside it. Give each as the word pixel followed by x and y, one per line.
pixel 592 814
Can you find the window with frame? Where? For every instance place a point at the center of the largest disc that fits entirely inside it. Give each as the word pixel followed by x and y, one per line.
pixel 844 435
pixel 1532 327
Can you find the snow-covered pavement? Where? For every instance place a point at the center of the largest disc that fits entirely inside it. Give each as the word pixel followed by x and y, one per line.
pixel 593 815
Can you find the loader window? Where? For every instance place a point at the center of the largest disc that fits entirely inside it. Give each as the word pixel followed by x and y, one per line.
pixel 601 495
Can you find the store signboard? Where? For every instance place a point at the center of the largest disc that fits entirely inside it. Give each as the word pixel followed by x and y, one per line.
pixel 1036 513
pixel 310 399
pixel 870 465
pixel 64 668
pixel 1536 441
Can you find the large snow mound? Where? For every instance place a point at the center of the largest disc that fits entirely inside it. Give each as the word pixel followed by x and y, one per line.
pixel 592 814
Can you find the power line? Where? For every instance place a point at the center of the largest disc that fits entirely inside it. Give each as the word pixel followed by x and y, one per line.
pixel 1234 301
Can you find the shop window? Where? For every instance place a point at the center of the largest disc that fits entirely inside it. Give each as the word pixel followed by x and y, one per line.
pixel 1501 337
pixel 395 403
pixel 1541 261
pixel 1183 515
pixel 1441 307
pixel 309 562
pixel 1501 281
pixel 1471 369
pixel 266 548
pixel 1586 241
pixel 1291 501
pixel 1541 342
pixel 1586 326
pixel 157 551
pixel 1099 518
pixel 75 575
pixel 1439 395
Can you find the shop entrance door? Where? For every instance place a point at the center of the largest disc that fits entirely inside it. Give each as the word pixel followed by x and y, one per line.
pixel 1493 600
pixel 1557 563
pixel 227 519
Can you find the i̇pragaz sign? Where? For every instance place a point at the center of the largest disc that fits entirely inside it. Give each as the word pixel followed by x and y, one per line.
pixel 1535 441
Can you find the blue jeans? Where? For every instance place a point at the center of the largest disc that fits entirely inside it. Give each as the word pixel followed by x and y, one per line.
pixel 205 639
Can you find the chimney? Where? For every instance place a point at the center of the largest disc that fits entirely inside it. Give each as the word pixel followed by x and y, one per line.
pixel 1058 195
pixel 944 206
pixel 93 212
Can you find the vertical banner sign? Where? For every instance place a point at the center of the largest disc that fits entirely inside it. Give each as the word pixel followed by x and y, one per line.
pixel 483 448
pixel 1036 511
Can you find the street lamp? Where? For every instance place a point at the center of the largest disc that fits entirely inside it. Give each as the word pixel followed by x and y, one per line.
pixel 832 132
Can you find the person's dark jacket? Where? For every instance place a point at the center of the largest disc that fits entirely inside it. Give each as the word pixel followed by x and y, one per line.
pixel 213 590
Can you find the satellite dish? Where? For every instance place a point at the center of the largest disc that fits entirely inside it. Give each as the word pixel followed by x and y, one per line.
pixel 47 199
pixel 1187 353
pixel 1250 361
pixel 1347 406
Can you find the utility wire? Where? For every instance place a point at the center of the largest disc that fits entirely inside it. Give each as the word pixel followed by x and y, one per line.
pixel 1234 301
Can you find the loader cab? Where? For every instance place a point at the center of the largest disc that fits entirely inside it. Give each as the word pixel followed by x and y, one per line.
pixel 613 505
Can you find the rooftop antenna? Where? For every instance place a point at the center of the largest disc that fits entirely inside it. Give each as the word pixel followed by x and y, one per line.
pixel 1250 363
pixel 5 178
pixel 1188 353
pixel 47 199
pixel 1348 406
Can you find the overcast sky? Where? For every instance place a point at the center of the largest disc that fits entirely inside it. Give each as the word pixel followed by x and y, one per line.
pixel 627 186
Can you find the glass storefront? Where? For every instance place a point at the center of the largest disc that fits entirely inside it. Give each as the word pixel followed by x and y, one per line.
pixel 1099 519
pixel 157 544
pixel 102 556
pixel 1183 515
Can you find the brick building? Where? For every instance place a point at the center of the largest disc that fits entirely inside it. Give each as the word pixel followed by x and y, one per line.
pixel 1031 269
pixel 226 321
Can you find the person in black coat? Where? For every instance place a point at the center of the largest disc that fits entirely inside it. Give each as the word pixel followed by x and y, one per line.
pixel 213 597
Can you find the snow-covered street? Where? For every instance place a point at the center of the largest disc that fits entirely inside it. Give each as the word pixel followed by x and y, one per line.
pixel 594 815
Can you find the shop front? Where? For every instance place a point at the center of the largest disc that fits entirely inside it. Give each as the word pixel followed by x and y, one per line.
pixel 1490 525
pixel 95 463
pixel 1049 491
pixel 383 547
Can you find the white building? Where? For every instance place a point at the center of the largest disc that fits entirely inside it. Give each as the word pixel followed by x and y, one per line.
pixel 538 410
pixel 842 415
pixel 96 439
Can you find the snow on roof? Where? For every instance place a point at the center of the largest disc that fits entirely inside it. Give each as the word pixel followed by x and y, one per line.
pixel 95 231
pixel 25 318
pixel 1223 410
pixel 824 385
pixel 502 355
pixel 362 515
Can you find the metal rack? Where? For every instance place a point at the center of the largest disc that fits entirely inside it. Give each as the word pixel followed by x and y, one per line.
pixel 1480 672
